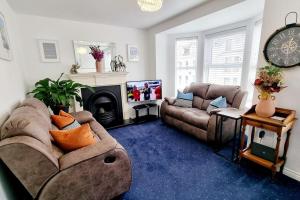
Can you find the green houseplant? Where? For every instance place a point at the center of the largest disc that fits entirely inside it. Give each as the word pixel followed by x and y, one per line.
pixel 58 94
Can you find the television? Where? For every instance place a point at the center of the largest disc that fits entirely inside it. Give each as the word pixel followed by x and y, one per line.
pixel 147 90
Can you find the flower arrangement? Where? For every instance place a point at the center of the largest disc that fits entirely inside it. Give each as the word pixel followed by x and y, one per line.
pixel 269 80
pixel 97 53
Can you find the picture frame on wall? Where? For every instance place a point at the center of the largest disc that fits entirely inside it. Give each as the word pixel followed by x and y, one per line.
pixel 5 48
pixel 132 53
pixel 49 51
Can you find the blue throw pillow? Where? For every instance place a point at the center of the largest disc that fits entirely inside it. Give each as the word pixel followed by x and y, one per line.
pixel 186 96
pixel 219 102
pixel 184 100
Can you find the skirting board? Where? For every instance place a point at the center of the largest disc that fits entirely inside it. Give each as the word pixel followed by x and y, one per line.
pixel 292 174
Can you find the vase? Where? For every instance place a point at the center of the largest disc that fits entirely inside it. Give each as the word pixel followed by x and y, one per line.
pixel 266 105
pixel 100 66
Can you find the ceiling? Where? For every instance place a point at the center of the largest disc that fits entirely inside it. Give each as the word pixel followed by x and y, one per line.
pixel 113 12
pixel 233 14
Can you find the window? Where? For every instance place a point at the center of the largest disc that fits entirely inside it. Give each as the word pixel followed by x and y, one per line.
pixel 185 52
pixel 224 56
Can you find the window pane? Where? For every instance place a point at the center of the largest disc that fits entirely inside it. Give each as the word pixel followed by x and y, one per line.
pixel 224 57
pixel 186 62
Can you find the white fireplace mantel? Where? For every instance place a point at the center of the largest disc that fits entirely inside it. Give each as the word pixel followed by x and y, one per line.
pixel 104 79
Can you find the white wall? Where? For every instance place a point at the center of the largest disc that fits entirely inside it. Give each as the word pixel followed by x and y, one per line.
pixel 273 19
pixel 12 84
pixel 162 70
pixel 65 31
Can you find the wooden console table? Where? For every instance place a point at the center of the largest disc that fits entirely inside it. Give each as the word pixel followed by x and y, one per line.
pixel 278 127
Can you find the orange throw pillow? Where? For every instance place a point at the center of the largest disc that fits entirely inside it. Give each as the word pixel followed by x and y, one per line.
pixel 73 139
pixel 64 121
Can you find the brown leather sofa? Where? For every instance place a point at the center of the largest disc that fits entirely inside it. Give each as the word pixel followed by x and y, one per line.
pixel 97 172
pixel 196 121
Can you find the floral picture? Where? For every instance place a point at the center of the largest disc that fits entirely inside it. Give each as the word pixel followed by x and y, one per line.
pixel 132 53
pixel 4 42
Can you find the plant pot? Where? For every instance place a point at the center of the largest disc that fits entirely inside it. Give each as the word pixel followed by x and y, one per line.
pixel 266 106
pixel 100 66
pixel 58 108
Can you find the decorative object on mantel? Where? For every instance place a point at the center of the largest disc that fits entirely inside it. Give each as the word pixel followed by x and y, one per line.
pixel 117 64
pixel 98 55
pixel 281 49
pixel 86 61
pixel 150 5
pixel 269 80
pixel 132 53
pixel 58 94
pixel 49 51
pixel 5 51
pixel 74 69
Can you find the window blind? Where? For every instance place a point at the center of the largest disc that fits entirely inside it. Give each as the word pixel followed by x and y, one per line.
pixel 224 56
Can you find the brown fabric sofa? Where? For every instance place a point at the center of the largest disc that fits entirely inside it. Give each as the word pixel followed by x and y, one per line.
pixel 97 172
pixel 196 121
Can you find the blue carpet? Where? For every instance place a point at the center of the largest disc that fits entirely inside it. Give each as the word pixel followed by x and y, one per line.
pixel 170 165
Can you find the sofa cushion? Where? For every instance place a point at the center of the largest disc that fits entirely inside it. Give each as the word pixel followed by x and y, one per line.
pixel 205 104
pixel 197 102
pixel 227 91
pixel 38 105
pixel 27 121
pixel 198 89
pixel 196 117
pixel 64 121
pixel 73 139
pixel 175 111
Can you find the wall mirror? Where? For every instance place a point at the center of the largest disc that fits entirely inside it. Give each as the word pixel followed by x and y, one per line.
pixel 86 60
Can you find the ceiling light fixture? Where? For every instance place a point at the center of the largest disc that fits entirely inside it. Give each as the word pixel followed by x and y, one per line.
pixel 150 5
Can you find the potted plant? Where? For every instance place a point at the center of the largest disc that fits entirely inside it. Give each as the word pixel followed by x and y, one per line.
pixel 269 80
pixel 98 55
pixel 58 94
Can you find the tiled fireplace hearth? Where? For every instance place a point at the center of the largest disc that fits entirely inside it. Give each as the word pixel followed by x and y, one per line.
pixel 105 82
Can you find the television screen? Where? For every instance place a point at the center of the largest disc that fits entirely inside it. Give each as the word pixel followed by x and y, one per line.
pixel 144 90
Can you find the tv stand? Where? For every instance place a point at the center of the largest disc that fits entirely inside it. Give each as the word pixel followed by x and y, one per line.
pixel 147 117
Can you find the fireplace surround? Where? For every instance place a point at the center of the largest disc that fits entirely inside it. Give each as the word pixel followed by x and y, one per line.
pixel 105 104
pixel 104 79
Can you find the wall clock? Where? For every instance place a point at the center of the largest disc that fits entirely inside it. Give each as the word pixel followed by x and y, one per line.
pixel 282 49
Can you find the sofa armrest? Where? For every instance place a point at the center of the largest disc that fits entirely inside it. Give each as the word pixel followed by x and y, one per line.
pixel 170 100
pixel 31 161
pixel 80 155
pixel 83 116
pixel 95 178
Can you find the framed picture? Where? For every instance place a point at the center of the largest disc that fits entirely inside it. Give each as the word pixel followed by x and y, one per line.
pixel 49 50
pixel 132 53
pixel 5 48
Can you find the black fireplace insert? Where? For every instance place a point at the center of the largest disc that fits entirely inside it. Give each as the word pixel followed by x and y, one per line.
pixel 105 104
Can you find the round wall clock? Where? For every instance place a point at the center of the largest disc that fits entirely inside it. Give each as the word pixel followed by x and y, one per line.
pixel 282 49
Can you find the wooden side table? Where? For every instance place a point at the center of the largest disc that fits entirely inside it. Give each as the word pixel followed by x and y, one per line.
pixel 278 127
